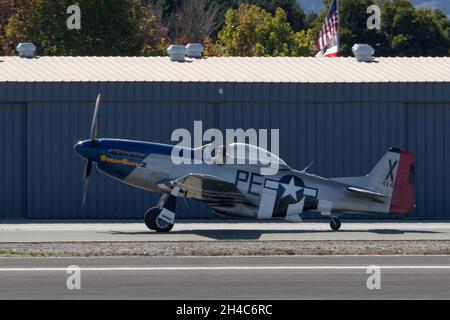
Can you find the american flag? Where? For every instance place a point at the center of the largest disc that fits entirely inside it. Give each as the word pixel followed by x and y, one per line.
pixel 328 42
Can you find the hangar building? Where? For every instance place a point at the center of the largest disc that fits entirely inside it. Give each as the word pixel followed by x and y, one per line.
pixel 340 113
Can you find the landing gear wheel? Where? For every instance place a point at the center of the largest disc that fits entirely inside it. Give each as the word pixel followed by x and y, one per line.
pixel 161 225
pixel 335 224
pixel 149 222
pixel 154 222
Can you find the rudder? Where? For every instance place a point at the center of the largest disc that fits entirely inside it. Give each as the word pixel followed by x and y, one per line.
pixel 394 176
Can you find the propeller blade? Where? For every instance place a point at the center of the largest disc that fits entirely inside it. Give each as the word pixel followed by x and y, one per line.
pixel 94 127
pixel 87 174
pixel 88 167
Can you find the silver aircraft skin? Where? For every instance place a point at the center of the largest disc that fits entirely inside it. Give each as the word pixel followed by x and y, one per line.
pixel 235 186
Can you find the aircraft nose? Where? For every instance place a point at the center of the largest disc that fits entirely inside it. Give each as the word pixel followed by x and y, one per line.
pixel 86 150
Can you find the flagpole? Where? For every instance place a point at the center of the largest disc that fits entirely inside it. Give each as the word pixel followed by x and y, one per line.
pixel 339 23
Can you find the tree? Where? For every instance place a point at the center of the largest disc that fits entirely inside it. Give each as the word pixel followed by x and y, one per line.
pixel 414 31
pixel 155 32
pixel 108 27
pixel 194 21
pixel 295 15
pixel 174 11
pixel 310 17
pixel 252 31
pixel 353 28
pixel 405 30
pixel 6 8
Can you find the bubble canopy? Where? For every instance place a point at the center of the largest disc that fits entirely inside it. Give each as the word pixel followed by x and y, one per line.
pixel 243 153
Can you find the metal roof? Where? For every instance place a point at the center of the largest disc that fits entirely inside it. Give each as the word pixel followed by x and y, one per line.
pixel 221 69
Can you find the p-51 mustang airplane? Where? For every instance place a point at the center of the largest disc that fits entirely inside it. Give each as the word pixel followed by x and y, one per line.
pixel 239 190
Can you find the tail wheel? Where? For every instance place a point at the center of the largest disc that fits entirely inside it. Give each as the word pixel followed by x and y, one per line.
pixel 335 224
pixel 154 222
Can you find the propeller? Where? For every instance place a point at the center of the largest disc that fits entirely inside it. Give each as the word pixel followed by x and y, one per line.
pixel 94 126
pixel 87 175
pixel 88 167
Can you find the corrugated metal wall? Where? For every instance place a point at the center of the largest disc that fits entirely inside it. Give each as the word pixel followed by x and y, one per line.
pixel 12 160
pixel 343 128
pixel 428 136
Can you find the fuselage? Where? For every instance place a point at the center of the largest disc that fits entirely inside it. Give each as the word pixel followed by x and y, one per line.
pixel 150 166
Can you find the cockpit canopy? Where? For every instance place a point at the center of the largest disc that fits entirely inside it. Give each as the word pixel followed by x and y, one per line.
pixel 243 153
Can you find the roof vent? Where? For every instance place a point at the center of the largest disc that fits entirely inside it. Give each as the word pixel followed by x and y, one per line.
pixel 363 52
pixel 194 50
pixel 177 52
pixel 26 50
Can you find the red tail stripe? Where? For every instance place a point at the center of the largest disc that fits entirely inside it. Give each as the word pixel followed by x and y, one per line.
pixel 403 196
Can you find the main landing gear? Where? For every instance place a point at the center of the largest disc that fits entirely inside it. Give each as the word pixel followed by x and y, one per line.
pixel 162 217
pixel 153 221
pixel 335 224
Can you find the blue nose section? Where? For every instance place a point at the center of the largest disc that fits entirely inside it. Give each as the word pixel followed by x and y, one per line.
pixel 86 150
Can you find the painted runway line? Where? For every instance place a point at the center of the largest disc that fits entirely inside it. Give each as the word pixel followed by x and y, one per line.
pixel 410 267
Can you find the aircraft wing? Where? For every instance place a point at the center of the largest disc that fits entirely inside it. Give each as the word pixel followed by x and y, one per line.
pixel 210 189
pixel 366 193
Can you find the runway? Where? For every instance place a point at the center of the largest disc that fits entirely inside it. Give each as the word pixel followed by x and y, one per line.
pixel 214 230
pixel 344 277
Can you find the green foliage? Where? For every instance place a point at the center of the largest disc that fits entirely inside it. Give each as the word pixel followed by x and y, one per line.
pixel 405 30
pixel 413 31
pixel 226 27
pixel 153 31
pixel 108 27
pixel 353 29
pixel 303 44
pixel 294 13
pixel 6 7
pixel 252 31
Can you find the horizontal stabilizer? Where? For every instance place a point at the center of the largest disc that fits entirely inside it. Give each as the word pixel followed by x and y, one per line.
pixel 366 193
pixel 390 181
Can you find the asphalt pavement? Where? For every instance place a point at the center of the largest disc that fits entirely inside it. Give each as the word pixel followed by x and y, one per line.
pixel 307 277
pixel 213 230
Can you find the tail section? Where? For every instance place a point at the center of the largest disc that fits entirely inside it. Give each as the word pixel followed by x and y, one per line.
pixel 404 194
pixel 393 177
